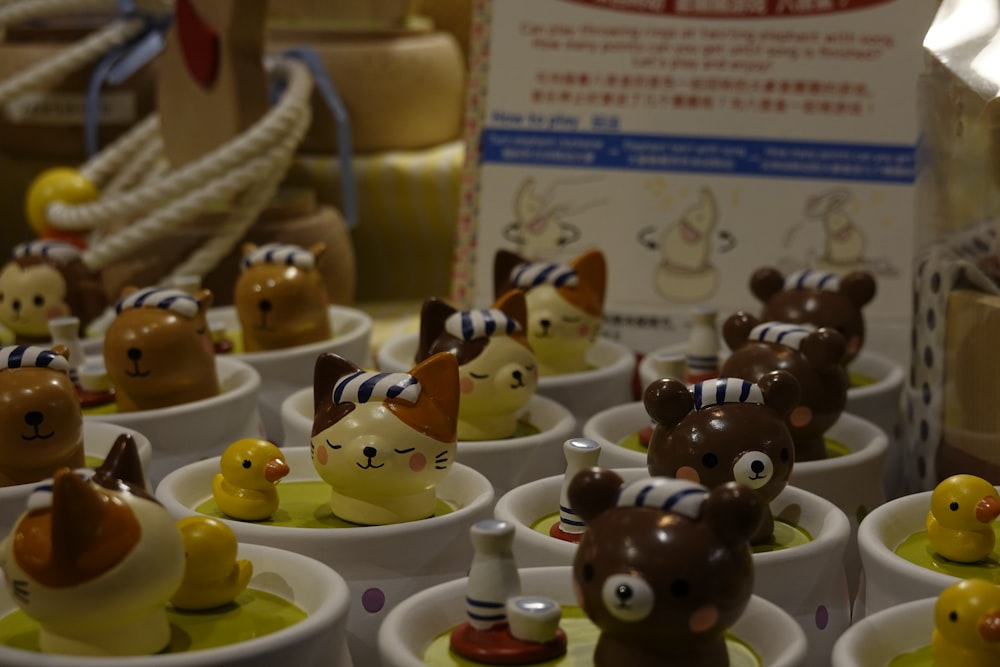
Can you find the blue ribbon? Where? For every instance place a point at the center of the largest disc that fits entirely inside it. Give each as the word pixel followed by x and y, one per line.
pixel 120 63
pixel 326 89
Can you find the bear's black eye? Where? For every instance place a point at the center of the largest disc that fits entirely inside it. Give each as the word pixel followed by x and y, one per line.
pixel 680 588
pixel 784 455
pixel 588 572
pixel 710 460
pixel 39 300
pixel 247 463
pixel 953 616
pixel 953 507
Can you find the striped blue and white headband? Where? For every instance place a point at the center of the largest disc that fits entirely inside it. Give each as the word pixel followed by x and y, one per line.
pixel 166 298
pixel 31 356
pixel 809 279
pixel 782 333
pixel 363 386
pixel 670 495
pixel 725 390
pixel 41 496
pixel 473 324
pixel 533 274
pixel 59 252
pixel 279 253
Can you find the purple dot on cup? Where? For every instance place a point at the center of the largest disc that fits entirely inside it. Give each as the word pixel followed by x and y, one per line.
pixel 373 600
pixel 822 617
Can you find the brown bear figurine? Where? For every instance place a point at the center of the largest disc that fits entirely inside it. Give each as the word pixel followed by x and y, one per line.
pixel 817 298
pixel 664 567
pixel 725 430
pixel 815 357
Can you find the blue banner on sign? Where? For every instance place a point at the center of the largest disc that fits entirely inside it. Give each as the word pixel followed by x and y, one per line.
pixel 745 157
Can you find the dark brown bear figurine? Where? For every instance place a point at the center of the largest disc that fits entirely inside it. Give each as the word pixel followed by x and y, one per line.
pixel 817 298
pixel 815 357
pixel 725 430
pixel 664 567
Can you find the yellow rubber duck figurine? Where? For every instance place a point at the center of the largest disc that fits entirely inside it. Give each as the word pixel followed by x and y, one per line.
pixel 212 575
pixel 967 625
pixel 245 486
pixel 958 525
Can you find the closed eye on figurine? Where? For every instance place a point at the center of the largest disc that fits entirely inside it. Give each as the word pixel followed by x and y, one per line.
pixel 569 319
pixel 331 445
pixel 627 597
pixel 477 376
pixel 404 451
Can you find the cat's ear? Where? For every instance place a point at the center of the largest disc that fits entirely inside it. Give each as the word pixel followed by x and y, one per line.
pixel 436 411
pixel 204 298
pixel 432 316
pixel 77 518
pixel 504 263
pixel 122 463
pixel 592 273
pixel 515 306
pixel 329 368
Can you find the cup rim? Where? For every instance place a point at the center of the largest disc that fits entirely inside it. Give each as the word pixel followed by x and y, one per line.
pixel 623 361
pixel 247 380
pixel 482 499
pixel 847 645
pixel 334 604
pixel 360 322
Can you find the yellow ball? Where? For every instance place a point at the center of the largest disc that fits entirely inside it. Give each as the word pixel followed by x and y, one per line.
pixel 61 184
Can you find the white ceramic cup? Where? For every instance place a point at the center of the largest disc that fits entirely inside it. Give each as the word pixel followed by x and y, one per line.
pixel 608 383
pixel 411 626
pixel 507 463
pixel 97 440
pixel 852 482
pixel 890 579
pixel 319 639
pixel 808 581
pixel 878 639
pixel 284 371
pixel 188 432
pixel 382 564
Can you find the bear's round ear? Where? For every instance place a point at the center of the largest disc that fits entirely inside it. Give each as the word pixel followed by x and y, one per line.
pixel 781 392
pixel 737 327
pixel 593 491
pixel 858 287
pixel 766 282
pixel 733 512
pixel 824 347
pixel 667 401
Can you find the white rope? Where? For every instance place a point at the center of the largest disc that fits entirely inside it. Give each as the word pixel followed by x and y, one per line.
pixel 244 173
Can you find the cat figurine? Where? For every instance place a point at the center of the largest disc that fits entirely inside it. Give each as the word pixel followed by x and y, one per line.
pixel 383 441
pixel 497 369
pixel 95 559
pixel 565 306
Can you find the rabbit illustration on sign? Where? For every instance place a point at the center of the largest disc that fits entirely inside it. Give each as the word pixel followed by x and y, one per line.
pixel 540 229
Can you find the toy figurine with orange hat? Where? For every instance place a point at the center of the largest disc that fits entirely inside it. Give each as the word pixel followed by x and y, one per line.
pixel 565 306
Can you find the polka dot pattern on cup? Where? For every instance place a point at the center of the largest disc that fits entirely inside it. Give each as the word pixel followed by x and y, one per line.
pixel 938 269
pixel 373 600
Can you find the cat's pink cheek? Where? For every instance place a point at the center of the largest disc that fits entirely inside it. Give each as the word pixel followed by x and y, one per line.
pixel 418 462
pixel 53 312
pixel 321 455
pixel 467 385
pixel 584 330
